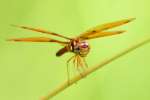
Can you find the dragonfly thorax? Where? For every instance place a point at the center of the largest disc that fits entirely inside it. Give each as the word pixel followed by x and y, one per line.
pixel 80 47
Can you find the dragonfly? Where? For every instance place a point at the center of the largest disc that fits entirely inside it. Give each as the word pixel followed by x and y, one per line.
pixel 77 45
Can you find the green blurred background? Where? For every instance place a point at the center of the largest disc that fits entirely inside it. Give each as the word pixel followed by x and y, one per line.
pixel 30 70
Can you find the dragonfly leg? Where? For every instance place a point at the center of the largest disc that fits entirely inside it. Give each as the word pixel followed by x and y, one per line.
pixel 79 65
pixel 68 74
pixel 85 63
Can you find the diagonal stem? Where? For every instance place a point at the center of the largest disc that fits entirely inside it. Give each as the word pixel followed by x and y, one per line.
pixel 76 78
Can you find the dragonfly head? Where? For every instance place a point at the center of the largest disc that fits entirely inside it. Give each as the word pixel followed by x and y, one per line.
pixel 80 47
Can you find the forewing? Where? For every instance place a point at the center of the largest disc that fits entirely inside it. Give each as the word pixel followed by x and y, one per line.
pixel 100 28
pixel 102 34
pixel 41 31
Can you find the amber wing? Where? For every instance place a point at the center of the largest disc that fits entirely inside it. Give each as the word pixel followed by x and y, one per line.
pixel 41 31
pixel 37 39
pixel 100 30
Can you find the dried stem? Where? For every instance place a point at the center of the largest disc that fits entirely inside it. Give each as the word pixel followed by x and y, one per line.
pixel 76 78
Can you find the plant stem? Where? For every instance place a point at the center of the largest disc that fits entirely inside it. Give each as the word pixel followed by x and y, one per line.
pixel 78 77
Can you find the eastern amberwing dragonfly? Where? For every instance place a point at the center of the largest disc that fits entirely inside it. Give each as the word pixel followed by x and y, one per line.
pixel 78 45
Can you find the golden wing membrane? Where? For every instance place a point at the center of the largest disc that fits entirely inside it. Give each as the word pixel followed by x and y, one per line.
pixel 41 31
pixel 37 39
pixel 98 29
pixel 103 34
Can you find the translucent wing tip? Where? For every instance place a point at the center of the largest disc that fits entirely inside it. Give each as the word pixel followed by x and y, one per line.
pixel 13 25
pixel 131 19
pixel 122 31
pixel 12 40
pixel 9 39
pixel 125 21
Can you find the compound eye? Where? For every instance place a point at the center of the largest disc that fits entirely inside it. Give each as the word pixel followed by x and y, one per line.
pixel 84 45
